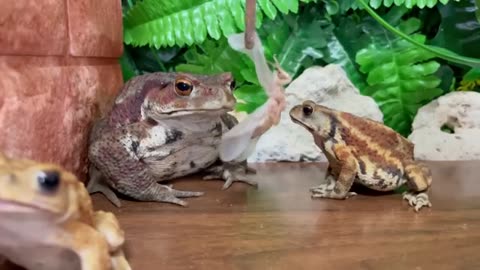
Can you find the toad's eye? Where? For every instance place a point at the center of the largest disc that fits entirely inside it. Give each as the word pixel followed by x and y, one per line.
pixel 232 85
pixel 48 181
pixel 183 87
pixel 307 110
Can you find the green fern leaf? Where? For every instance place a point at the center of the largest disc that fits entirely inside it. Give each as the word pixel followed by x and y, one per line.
pixel 353 4
pixel 187 22
pixel 401 77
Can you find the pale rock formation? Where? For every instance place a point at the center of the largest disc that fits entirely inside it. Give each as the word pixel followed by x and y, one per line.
pixel 460 112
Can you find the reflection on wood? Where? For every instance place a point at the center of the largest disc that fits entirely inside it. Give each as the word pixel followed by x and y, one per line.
pixel 278 226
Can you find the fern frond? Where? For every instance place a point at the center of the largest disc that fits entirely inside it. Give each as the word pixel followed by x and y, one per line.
pixel 401 77
pixel 353 4
pixel 171 22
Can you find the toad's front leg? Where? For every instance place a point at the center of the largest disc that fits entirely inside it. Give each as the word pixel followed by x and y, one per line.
pixel 86 242
pixel 230 172
pixel 107 224
pixel 419 180
pixel 339 188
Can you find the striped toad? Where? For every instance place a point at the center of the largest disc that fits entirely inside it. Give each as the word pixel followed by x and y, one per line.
pixel 363 151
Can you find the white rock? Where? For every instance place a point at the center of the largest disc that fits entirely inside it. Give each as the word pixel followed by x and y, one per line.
pixel 328 86
pixel 459 111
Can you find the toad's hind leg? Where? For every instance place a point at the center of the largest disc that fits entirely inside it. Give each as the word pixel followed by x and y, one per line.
pixel 340 188
pixel 127 173
pixel 419 180
pixel 97 184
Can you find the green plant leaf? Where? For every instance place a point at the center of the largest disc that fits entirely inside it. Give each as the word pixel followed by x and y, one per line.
pixel 438 52
pixel 293 39
pixel 470 81
pixel 472 75
pixel 187 22
pixel 410 4
pixel 477 10
pixel 128 66
pixel 344 40
pixel 401 77
pixel 213 57
pixel 446 74
pixel 459 30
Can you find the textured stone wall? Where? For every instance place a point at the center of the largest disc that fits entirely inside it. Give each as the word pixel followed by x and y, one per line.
pixel 58 71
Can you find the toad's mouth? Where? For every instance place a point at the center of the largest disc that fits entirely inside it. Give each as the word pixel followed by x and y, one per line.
pixel 196 111
pixel 303 124
pixel 7 206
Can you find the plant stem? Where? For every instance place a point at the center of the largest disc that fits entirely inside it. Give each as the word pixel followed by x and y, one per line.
pixel 440 52
pixel 250 23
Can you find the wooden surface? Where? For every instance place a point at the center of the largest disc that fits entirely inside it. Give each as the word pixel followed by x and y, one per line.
pixel 278 226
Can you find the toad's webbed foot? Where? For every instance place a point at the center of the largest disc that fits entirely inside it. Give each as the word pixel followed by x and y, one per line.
pixel 328 190
pixel 231 172
pixel 417 200
pixel 162 193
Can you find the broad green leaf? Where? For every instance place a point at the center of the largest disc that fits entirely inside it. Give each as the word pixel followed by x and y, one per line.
pixel 459 30
pixel 293 39
pixel 343 42
pixel 477 11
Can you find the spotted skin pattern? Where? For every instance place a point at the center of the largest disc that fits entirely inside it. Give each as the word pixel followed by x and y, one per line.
pixel 364 151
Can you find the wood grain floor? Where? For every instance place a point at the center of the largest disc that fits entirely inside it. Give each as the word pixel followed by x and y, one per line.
pixel 278 226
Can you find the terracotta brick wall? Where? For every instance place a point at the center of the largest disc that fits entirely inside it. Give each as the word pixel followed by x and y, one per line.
pixel 58 71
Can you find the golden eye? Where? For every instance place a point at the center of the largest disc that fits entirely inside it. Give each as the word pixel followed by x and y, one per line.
pixel 183 87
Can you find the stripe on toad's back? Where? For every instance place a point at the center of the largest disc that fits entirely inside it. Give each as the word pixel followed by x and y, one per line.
pixel 378 132
pixel 358 135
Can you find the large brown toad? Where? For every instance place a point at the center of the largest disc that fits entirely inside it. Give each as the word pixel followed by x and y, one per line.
pixel 46 214
pixel 161 127
pixel 364 151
